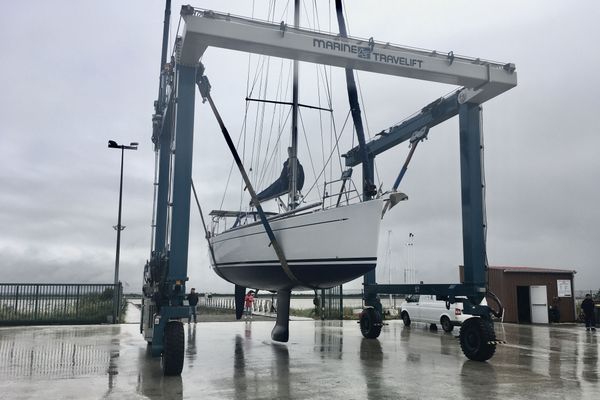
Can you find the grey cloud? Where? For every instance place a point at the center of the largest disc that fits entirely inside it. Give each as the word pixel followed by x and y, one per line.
pixel 80 73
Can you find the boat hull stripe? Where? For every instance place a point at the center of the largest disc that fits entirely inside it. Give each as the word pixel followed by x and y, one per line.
pixel 262 232
pixel 308 260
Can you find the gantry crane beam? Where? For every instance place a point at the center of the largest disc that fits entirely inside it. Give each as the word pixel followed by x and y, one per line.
pixel 205 28
pixel 477 81
pixel 431 115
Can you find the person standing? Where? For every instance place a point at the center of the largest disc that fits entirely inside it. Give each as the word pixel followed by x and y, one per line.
pixel 587 306
pixel 248 301
pixel 192 298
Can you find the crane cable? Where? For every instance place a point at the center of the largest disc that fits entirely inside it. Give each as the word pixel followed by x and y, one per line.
pixel 207 234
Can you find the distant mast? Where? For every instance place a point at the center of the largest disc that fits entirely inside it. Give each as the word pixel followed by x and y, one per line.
pixel 293 151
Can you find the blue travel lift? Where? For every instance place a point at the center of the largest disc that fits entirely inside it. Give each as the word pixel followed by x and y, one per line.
pixel 477 337
pixel 165 274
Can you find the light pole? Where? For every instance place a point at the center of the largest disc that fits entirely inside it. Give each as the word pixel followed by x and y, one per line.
pixel 132 146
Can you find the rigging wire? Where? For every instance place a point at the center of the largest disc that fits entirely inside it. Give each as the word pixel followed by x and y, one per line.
pixel 312 164
pixel 255 164
pixel 262 121
pixel 233 162
pixel 261 160
pixel 243 132
pixel 256 121
pixel 265 164
pixel 281 130
pixel 330 155
pixel 316 15
pixel 285 12
pixel 320 115
pixel 364 110
pixel 267 160
pixel 259 108
pixel 244 123
pixel 332 122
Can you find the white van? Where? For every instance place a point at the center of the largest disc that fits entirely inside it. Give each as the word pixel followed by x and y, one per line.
pixel 425 308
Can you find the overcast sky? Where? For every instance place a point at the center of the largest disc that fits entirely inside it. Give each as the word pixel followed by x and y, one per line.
pixel 76 74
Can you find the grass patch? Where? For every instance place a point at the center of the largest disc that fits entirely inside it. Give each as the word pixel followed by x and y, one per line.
pixel 88 308
pixel 214 311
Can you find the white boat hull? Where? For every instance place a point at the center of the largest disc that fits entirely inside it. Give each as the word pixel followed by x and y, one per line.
pixel 324 248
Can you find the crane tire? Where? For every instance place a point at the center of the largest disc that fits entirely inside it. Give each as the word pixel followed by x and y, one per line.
pixel 174 349
pixel 478 339
pixel 370 323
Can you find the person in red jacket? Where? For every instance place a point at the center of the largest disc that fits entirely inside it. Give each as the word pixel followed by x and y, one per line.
pixel 587 306
pixel 248 301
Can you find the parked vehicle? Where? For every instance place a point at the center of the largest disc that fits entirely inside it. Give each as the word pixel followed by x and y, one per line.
pixel 425 308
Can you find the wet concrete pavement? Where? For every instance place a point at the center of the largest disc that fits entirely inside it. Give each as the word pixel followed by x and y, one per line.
pixel 322 360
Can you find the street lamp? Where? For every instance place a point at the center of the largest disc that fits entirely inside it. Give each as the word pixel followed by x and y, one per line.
pixel 132 146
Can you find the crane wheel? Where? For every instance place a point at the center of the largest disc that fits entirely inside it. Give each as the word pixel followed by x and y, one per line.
pixel 478 339
pixel 174 349
pixel 370 323
pixel 446 324
pixel 406 318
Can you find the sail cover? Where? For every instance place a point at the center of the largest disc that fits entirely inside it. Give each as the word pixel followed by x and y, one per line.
pixel 282 185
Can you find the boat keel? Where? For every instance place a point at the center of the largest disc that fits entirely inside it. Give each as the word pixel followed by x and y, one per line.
pixel 281 331
pixel 240 294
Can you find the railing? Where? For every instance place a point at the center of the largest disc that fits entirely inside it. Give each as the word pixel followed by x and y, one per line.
pixel 58 303
pixel 260 305
pixel 332 303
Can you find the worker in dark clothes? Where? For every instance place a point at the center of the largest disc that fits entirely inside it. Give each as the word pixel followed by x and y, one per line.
pixel 587 305
pixel 192 298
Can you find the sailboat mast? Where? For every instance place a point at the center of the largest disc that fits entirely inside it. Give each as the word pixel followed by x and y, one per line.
pixel 293 152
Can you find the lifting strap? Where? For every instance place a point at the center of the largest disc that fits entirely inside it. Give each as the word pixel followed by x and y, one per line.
pixel 369 188
pixel 204 87
pixel 206 234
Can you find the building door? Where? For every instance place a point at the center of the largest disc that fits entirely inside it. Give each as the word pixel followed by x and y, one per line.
pixel 523 305
pixel 539 304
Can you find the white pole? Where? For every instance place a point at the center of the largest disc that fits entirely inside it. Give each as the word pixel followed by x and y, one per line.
pixel 390 265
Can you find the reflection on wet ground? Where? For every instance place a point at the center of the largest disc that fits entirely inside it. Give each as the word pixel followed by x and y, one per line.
pixel 324 359
pixel 67 353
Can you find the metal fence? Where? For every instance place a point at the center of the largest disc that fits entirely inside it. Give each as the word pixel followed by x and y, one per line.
pixel 57 303
pixel 332 303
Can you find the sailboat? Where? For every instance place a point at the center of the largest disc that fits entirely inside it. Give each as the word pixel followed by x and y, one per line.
pixel 302 245
pixel 323 246
pixel 313 246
